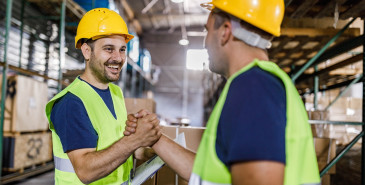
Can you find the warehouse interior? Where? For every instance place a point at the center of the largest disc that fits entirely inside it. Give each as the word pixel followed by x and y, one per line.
pixel 321 48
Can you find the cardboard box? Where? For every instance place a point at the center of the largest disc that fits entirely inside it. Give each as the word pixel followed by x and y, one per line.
pixel 24 150
pixel 25 104
pixel 134 105
pixel 193 135
pixel 325 151
pixel 166 176
pixel 318 115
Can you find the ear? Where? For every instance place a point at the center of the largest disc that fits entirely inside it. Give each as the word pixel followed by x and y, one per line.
pixel 226 32
pixel 86 51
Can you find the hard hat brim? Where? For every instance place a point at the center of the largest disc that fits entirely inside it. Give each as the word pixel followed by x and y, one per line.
pixel 127 37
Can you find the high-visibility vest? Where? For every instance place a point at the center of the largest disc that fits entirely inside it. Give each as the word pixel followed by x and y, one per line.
pixel 301 164
pixel 108 128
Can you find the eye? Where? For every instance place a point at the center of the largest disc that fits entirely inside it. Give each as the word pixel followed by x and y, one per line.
pixel 108 49
pixel 122 50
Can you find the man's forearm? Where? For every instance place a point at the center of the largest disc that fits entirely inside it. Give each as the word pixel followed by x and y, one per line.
pixel 181 160
pixel 94 165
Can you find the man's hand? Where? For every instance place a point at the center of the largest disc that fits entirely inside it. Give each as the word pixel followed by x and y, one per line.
pixel 131 123
pixel 147 132
pixel 144 153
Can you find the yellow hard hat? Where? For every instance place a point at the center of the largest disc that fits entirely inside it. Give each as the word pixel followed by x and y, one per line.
pixel 101 22
pixel 263 14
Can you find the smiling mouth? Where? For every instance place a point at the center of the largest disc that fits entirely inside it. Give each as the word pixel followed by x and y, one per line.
pixel 114 68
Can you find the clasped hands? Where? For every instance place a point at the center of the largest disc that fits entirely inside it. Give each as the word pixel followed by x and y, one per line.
pixel 145 126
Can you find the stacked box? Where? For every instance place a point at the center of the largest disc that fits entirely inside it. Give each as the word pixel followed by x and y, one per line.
pixel 319 130
pixel 27 140
pixel 325 151
pixel 134 105
pixel 24 150
pixel 25 105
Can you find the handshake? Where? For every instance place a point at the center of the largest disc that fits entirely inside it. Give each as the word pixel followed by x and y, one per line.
pixel 143 127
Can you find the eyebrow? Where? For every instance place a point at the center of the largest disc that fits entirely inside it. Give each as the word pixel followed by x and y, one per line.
pixel 110 45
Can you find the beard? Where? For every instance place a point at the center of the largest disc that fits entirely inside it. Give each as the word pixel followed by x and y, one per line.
pixel 98 69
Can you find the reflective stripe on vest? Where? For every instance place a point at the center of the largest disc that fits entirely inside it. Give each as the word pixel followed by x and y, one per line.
pixel 64 165
pixel 196 180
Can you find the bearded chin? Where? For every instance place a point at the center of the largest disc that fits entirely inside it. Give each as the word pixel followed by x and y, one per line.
pixel 111 78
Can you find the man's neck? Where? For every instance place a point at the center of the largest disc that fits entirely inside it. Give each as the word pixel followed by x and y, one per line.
pixel 244 55
pixel 89 78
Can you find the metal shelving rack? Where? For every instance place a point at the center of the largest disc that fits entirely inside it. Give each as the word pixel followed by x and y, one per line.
pixel 6 66
pixel 321 56
pixel 48 7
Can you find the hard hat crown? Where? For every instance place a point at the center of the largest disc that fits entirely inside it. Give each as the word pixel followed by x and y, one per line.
pixel 266 15
pixel 101 22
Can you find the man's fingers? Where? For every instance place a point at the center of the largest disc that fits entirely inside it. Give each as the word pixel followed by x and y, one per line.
pixel 155 123
pixel 131 117
pixel 142 113
pixel 151 117
pixel 130 129
pixel 131 124
pixel 126 133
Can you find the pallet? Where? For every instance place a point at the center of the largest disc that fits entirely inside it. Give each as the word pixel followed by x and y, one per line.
pixel 28 172
pixel 21 170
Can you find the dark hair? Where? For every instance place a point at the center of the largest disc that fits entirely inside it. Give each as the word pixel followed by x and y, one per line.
pixel 221 17
pixel 89 42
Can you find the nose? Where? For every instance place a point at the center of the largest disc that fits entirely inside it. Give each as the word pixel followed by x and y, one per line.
pixel 118 56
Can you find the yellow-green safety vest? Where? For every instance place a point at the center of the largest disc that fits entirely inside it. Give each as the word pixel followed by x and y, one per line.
pixel 108 128
pixel 301 165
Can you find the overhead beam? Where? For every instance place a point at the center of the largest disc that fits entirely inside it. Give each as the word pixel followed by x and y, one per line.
pixel 315 32
pixel 338 65
pixel 75 8
pixel 354 10
pixel 303 8
pixel 130 16
pixel 337 85
pixel 336 50
pixel 149 6
pixel 329 8
pixel 283 42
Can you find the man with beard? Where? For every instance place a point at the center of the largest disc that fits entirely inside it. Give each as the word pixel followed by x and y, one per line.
pixel 258 131
pixel 87 118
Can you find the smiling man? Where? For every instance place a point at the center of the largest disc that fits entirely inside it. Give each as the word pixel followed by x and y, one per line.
pixel 87 118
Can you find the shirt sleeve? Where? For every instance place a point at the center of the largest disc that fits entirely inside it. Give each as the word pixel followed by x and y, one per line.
pixel 72 124
pixel 253 120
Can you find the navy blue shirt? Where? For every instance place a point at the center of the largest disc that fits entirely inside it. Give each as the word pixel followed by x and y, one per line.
pixel 253 119
pixel 72 123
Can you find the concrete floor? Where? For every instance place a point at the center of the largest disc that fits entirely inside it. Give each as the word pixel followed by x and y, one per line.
pixel 44 179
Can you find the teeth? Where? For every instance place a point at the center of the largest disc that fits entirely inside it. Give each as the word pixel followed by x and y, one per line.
pixel 113 66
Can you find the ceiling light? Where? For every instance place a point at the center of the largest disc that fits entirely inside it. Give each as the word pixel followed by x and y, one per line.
pixel 184 42
pixel 177 1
